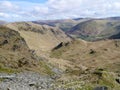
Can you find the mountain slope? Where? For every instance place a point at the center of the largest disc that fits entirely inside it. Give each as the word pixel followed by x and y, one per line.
pixel 15 55
pixel 65 24
pixel 62 24
pixel 14 52
pixel 96 29
pixel 79 65
pixel 104 54
pixel 39 37
pixel 94 63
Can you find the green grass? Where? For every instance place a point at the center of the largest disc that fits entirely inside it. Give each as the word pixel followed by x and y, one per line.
pixel 56 54
pixel 7 70
pixel 107 79
pixel 45 68
pixel 86 87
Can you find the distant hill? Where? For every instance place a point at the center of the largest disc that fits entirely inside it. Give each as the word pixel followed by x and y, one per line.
pixel 90 29
pixel 62 24
pixel 2 22
pixel 96 29
pixel 113 18
pixel 65 24
pixel 39 37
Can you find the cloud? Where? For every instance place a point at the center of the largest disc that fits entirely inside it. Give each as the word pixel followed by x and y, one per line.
pixel 4 15
pixel 59 9
pixel 40 10
pixel 64 5
pixel 6 6
pixel 79 8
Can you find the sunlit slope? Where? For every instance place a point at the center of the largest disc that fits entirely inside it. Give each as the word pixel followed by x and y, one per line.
pixel 39 37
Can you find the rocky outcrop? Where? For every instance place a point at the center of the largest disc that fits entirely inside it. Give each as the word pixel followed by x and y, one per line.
pixel 25 81
pixel 101 88
pixel 14 50
pixel 62 44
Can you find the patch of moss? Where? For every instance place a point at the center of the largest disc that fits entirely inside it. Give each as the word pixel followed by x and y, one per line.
pixel 86 87
pixel 45 68
pixel 1 79
pixel 56 54
pixel 107 79
pixel 4 69
pixel 73 72
pixel 7 70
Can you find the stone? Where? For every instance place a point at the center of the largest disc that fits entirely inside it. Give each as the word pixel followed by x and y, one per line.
pixel 101 88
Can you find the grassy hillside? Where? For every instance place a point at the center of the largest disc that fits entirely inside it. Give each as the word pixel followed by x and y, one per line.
pixel 96 29
pixel 15 55
pixel 90 54
pixel 39 37
pixel 91 63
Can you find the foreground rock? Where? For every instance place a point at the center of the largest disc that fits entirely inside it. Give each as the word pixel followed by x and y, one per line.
pixel 25 81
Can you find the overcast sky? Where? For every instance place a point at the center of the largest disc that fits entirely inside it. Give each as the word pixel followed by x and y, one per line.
pixel 27 10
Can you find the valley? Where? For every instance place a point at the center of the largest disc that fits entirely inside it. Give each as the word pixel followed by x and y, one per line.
pixel 75 54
